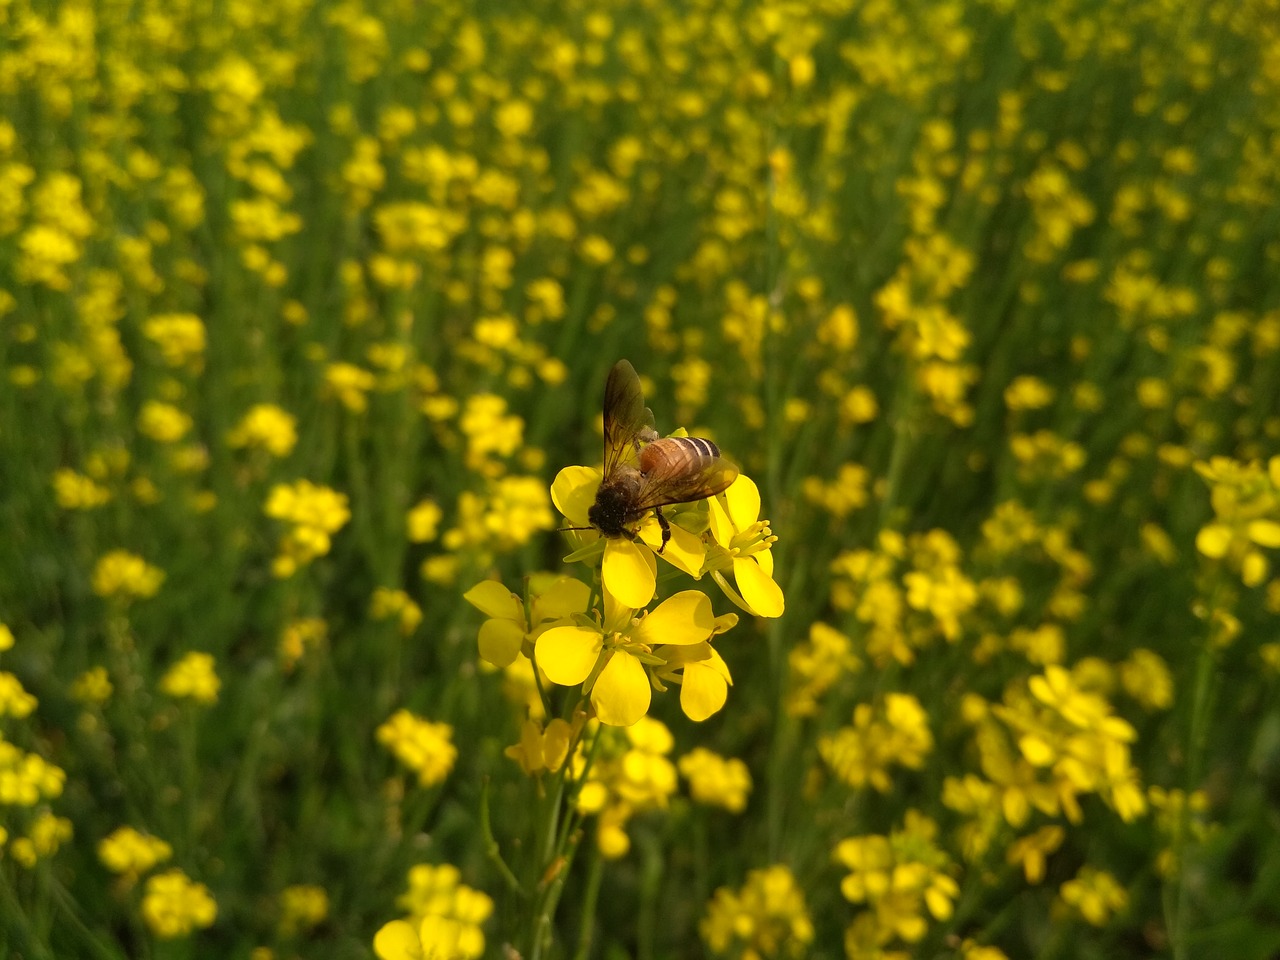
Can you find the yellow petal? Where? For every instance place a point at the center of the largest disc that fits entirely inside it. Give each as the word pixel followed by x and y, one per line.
pixel 684 550
pixel 568 654
pixel 765 559
pixel 1254 568
pixel 757 588
pixel 617 616
pixel 703 691
pixel 397 940
pixel 630 572
pixel 1265 533
pixel 494 600
pixel 1214 540
pixel 621 693
pixel 563 598
pixel 686 617
pixel 500 641
pixel 743 497
pixel 573 491
pixel 721 526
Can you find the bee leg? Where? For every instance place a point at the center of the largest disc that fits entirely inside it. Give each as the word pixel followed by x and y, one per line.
pixel 666 528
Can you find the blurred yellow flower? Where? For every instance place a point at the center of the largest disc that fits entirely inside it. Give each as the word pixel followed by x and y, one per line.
pixel 174 906
pixel 194 678
pixel 131 852
pixel 125 576
pixel 163 422
pixel 268 427
pixel 422 746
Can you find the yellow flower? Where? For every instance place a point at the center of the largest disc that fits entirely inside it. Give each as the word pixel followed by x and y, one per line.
pixel 14 700
pixel 420 745
pixel 423 521
pixel 766 917
pixel 163 422
pixel 174 906
pixel 630 567
pixel 302 907
pixel 509 631
pixel 131 852
pixel 265 427
pixel 388 604
pixel 1096 895
pixel 125 576
pixel 192 677
pixel 744 544
pixel 715 780
pixel 610 659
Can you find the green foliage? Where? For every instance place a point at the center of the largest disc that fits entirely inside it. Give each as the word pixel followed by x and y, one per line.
pixel 303 306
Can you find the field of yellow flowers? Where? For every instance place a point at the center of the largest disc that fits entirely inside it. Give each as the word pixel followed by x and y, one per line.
pixel 306 313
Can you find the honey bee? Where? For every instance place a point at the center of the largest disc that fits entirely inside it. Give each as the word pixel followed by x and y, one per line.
pixel 643 472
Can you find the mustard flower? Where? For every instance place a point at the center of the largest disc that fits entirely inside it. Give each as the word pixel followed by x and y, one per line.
pixel 630 775
pixel 163 422
pixel 173 905
pixel 350 384
pixel 315 513
pixel 15 701
pixel 179 336
pixel 388 604
pixel 816 666
pixel 268 427
pixel 1246 506
pixel 6 637
pixel 27 778
pixel 610 658
pixel 630 567
pixel 75 491
pixel 510 629
pixel 125 576
pixel 541 748
pixel 46 834
pixel 744 544
pixel 300 636
pixel 132 853
pixel 765 919
pixel 421 745
pixel 1033 851
pixel 423 521
pixel 193 677
pixel 897 732
pixel 899 877
pixel 302 907
pixel 445 918
pixel 715 780
pixel 1095 895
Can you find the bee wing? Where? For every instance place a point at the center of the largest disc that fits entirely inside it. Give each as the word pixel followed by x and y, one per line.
pixel 665 486
pixel 627 421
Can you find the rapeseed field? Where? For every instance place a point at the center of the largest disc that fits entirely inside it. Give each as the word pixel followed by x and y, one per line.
pixel 963 645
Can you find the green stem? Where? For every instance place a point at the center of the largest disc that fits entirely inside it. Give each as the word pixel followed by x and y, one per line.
pixel 1176 900
pixel 595 874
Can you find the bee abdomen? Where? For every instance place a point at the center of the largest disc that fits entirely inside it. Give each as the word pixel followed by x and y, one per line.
pixel 677 455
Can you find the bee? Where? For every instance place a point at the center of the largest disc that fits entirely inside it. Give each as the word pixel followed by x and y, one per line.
pixel 643 472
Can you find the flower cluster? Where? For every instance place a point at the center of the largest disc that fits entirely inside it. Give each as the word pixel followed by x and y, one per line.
pixel 903 879
pixel 764 919
pixel 628 775
pixel 194 678
pixel 422 746
pixel 1246 509
pixel 715 780
pixel 314 513
pixel 444 918
pixel 173 905
pixel 131 853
